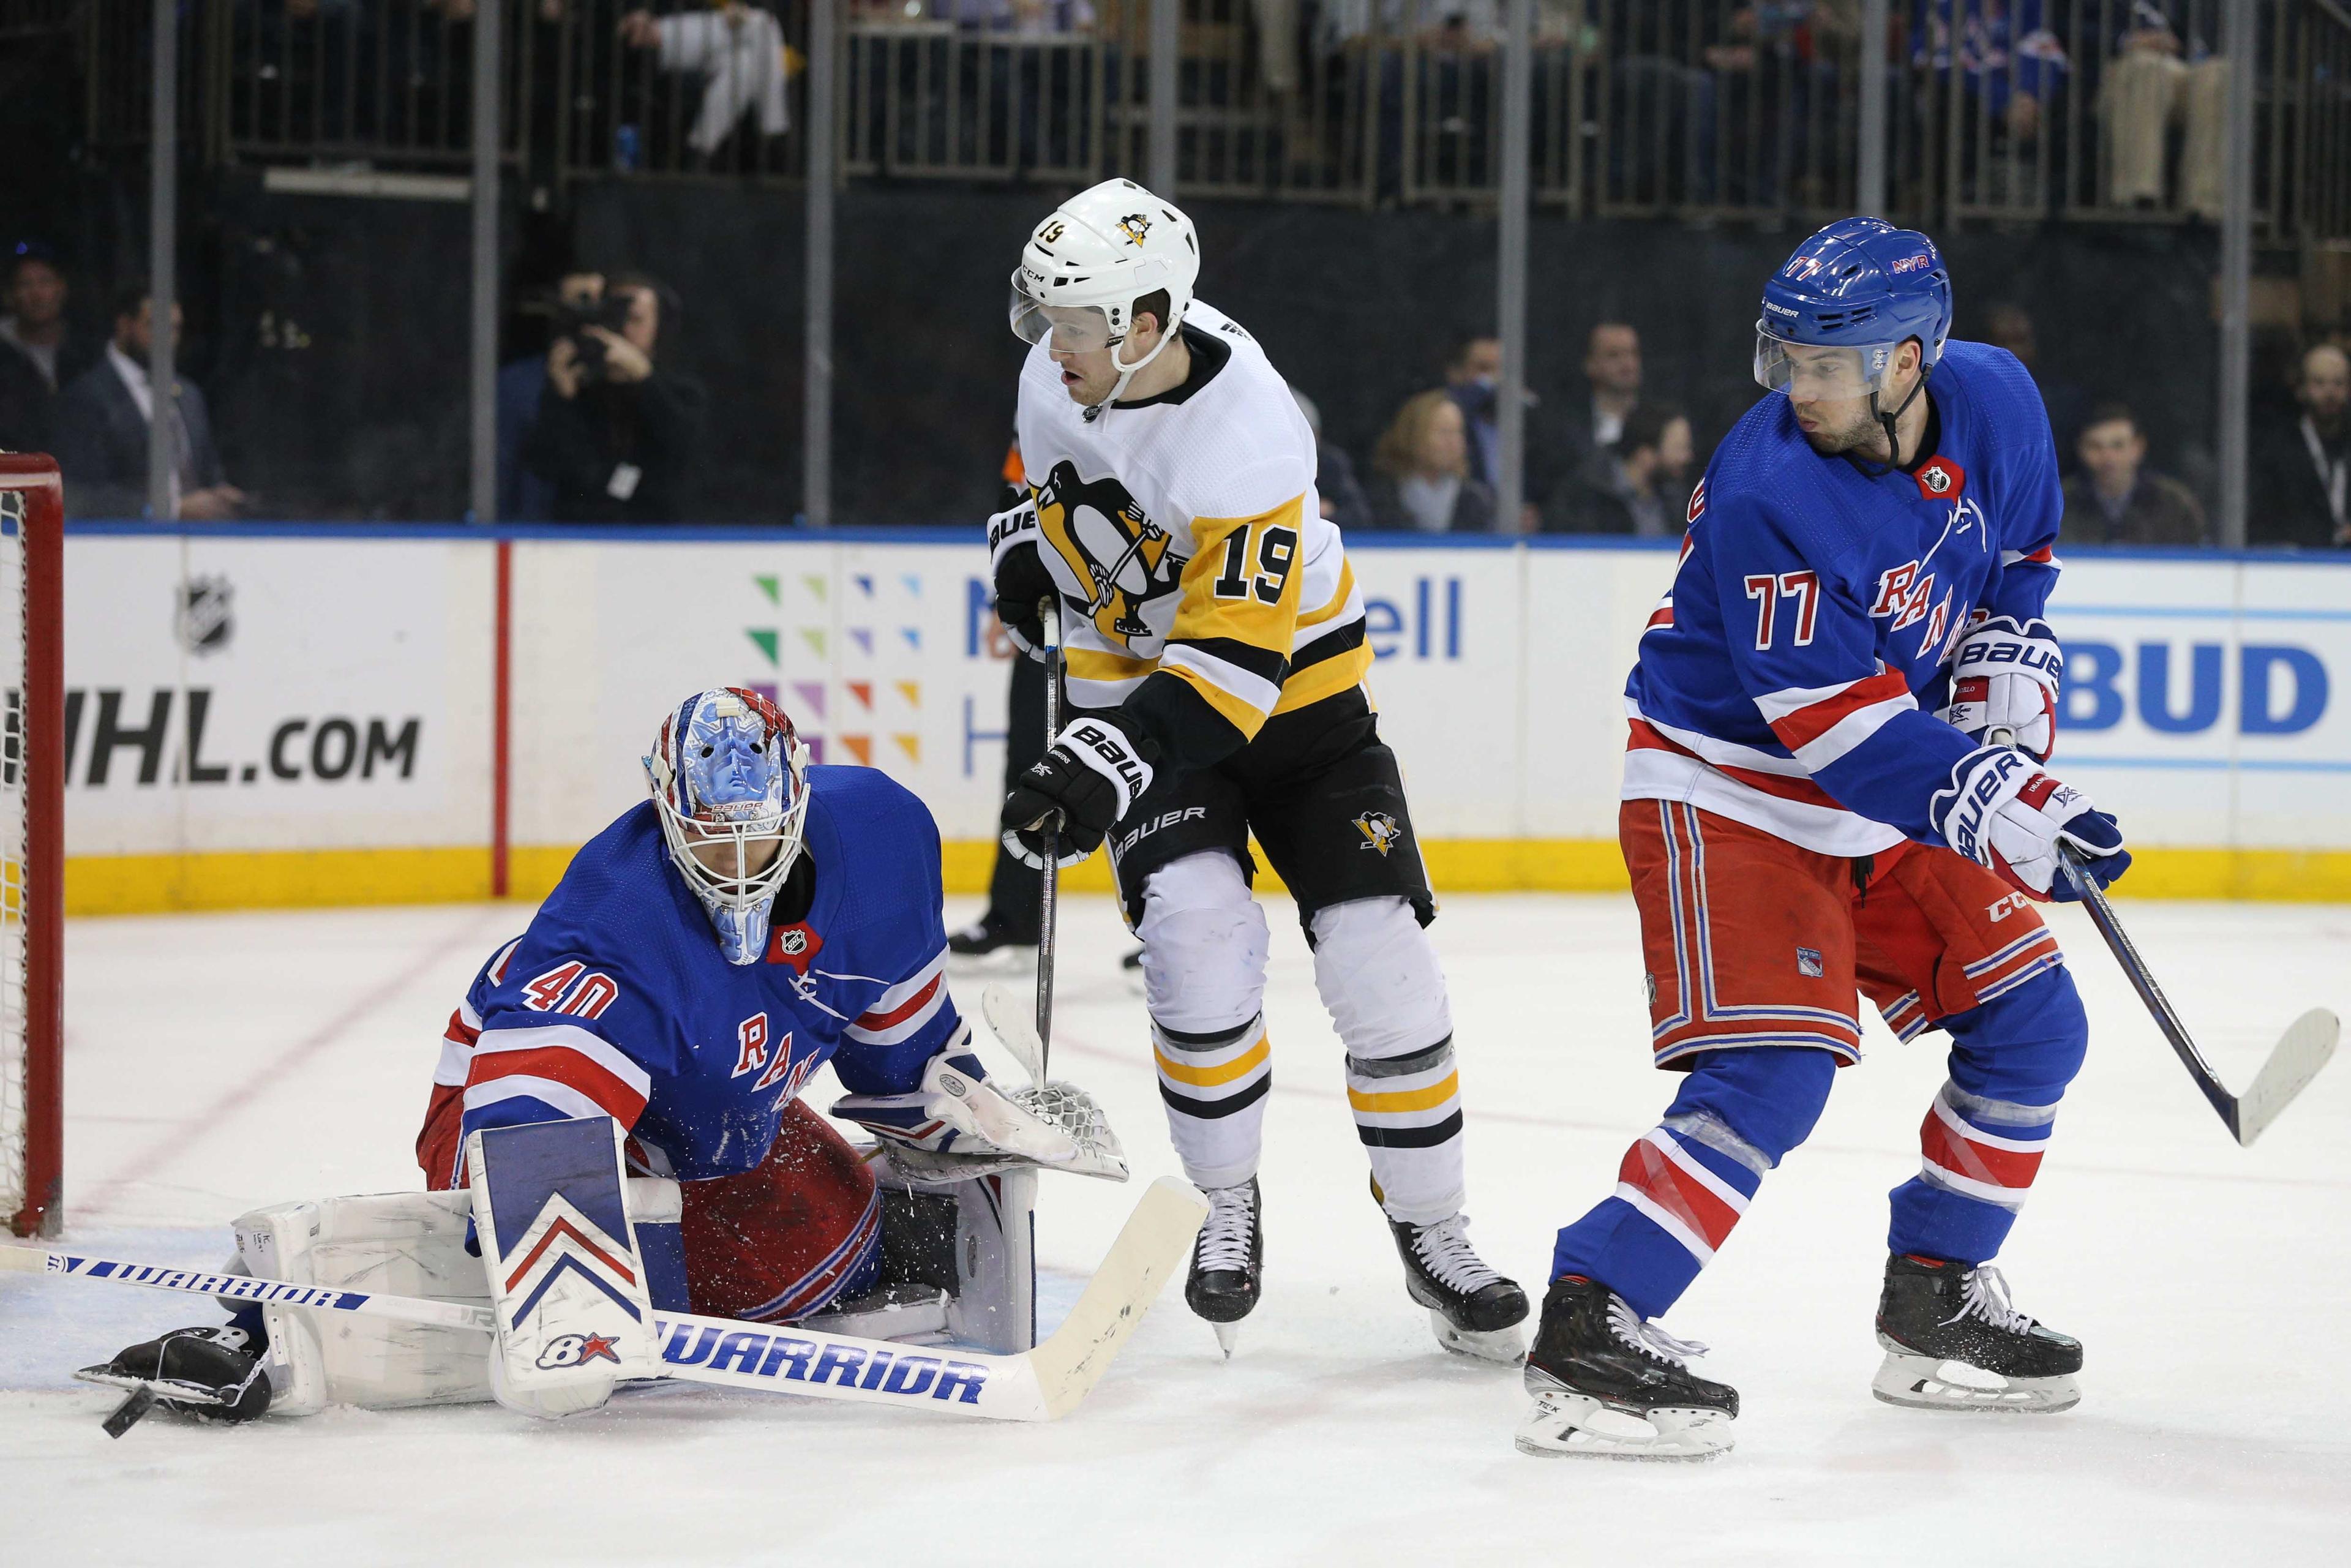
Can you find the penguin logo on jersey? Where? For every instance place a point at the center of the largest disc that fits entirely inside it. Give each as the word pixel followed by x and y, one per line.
pixel 1380 832
pixel 1122 557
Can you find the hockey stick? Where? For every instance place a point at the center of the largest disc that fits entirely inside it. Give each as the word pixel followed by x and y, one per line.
pixel 2292 1062
pixel 1040 1384
pixel 1049 610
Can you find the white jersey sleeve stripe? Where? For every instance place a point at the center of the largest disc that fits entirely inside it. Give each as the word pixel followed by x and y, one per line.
pixel 569 1036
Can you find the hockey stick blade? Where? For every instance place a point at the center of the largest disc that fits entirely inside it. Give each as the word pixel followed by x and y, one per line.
pixel 2297 1057
pixel 1003 1010
pixel 1040 1384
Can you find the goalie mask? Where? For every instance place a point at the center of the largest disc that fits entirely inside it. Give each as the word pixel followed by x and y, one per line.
pixel 729 779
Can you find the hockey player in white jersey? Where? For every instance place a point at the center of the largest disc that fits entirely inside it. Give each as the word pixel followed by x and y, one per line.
pixel 1216 659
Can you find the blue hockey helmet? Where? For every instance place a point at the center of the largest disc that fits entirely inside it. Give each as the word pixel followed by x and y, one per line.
pixel 1859 285
pixel 729 779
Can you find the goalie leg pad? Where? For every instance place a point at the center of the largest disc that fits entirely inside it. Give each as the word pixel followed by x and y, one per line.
pixel 975 1240
pixel 404 1244
pixel 574 1317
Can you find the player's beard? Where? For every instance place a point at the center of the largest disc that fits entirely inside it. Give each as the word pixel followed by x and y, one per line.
pixel 1834 440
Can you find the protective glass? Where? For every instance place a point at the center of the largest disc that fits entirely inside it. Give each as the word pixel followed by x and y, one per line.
pixel 1074 329
pixel 1815 373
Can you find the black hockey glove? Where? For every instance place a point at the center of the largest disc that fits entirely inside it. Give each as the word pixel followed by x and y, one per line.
pixel 1016 548
pixel 213 1375
pixel 1087 779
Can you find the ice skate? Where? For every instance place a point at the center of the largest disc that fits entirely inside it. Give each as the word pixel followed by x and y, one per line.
pixel 1953 1341
pixel 1474 1311
pixel 1227 1262
pixel 1606 1383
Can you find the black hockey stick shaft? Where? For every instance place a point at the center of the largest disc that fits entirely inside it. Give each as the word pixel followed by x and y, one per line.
pixel 2142 979
pixel 1049 893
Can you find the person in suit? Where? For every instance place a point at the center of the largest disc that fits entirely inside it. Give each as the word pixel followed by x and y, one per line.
pixel 2302 469
pixel 99 429
pixel 1420 472
pixel 1612 372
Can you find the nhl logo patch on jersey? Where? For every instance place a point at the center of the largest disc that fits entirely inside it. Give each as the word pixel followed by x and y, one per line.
pixel 1379 829
pixel 1940 479
pixel 793 944
pixel 1808 963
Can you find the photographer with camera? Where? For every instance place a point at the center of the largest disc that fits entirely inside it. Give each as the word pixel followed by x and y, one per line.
pixel 615 433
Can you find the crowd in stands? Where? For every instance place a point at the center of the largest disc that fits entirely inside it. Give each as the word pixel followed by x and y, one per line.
pixel 598 428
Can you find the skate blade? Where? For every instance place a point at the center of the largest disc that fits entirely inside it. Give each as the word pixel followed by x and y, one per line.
pixel 1562 1424
pixel 1923 1383
pixel 1506 1347
pixel 1228 1336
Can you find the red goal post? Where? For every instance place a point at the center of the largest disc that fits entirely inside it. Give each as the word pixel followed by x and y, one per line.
pixel 32 845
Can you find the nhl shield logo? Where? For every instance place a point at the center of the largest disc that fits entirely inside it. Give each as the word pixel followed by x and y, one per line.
pixel 791 941
pixel 1940 479
pixel 1379 829
pixel 201 620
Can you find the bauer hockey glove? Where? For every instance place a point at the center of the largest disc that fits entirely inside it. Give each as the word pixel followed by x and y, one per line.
pixel 2005 813
pixel 2005 677
pixel 1088 778
pixel 1017 561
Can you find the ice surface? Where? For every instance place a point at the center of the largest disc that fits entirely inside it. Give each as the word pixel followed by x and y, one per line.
pixel 217 1062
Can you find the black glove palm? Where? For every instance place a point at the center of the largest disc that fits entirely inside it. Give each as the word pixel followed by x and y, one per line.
pixel 1022 581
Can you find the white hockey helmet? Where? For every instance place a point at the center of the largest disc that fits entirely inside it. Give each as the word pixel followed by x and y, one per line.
pixel 1092 258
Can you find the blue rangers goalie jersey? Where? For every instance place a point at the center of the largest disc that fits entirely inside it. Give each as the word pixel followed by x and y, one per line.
pixel 617 1001
pixel 1789 678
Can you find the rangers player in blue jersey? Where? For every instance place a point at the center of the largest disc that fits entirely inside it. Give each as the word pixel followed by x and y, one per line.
pixel 1834 785
pixel 755 920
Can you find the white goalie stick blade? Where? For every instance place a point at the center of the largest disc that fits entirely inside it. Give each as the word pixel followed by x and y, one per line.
pixel 1041 1385
pixel 2305 1048
pixel 1064 1105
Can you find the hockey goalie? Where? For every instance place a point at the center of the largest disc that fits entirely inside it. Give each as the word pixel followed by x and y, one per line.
pixel 615 1126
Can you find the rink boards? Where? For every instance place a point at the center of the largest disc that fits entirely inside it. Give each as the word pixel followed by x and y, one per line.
pixel 283 716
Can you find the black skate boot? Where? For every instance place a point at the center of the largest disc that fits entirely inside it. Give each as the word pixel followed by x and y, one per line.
pixel 1606 1382
pixel 1227 1262
pixel 1475 1310
pixel 1952 1342
pixel 990 943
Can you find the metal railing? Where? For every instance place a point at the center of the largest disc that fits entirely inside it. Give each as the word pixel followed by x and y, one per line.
pixel 2023 110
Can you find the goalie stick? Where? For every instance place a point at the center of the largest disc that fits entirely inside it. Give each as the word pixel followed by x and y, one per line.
pixel 2292 1062
pixel 1040 1384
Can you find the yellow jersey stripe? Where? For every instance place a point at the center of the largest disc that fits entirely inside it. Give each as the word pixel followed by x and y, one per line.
pixel 1239 712
pixel 1326 678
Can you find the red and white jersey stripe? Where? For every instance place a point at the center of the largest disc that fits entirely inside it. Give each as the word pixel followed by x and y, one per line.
pixel 900 1012
pixel 561 1065
pixel 1760 788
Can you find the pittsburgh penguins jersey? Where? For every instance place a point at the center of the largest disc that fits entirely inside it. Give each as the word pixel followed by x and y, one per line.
pixel 1790 679
pixel 1203 590
pixel 618 1002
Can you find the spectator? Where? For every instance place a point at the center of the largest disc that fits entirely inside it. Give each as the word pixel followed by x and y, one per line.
pixel 1341 495
pixel 738 49
pixel 2303 468
pixel 1611 367
pixel 617 438
pixel 2007 325
pixel 1638 485
pixel 1473 376
pixel 35 321
pixel 523 496
pixel 2116 499
pixel 2012 62
pixel 1421 479
pixel 101 424
pixel 2148 87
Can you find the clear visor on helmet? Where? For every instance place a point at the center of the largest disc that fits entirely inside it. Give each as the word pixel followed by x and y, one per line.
pixel 1815 372
pixel 1074 329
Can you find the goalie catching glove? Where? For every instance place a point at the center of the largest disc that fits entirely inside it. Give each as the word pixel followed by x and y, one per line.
pixel 2005 813
pixel 2004 680
pixel 1088 778
pixel 958 1114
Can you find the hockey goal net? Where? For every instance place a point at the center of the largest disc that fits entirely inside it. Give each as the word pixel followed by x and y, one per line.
pixel 32 842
